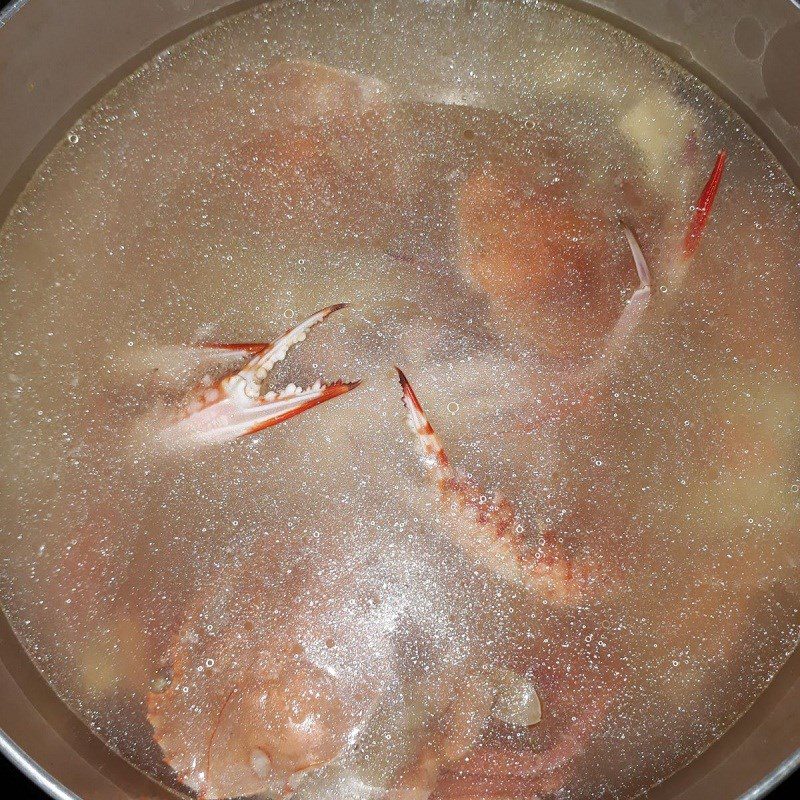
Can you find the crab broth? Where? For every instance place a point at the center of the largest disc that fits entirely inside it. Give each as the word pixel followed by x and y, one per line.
pixel 456 172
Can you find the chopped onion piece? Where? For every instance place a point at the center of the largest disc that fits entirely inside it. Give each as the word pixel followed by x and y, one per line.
pixel 517 702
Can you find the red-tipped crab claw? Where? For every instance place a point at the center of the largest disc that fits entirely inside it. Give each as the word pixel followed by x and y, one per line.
pixel 703 206
pixel 236 405
pixel 488 529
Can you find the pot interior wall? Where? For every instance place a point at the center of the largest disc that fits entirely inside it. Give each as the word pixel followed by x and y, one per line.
pixel 59 56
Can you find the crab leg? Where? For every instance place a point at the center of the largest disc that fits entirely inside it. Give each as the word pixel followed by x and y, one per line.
pixel 631 316
pixel 488 528
pixel 235 406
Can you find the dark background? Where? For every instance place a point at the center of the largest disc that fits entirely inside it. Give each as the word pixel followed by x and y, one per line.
pixel 14 785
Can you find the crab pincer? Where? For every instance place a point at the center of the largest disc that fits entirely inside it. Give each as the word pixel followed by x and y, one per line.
pixel 235 405
pixel 488 528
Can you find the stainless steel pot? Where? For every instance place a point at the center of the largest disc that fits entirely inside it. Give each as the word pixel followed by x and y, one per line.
pixel 59 56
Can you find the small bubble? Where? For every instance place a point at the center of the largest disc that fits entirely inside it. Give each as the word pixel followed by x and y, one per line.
pixel 209 662
pixel 73 138
pixel 453 407
pixel 289 313
pixel 662 289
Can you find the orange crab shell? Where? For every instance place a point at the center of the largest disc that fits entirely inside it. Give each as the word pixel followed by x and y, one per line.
pixel 547 260
pixel 245 710
pixel 252 736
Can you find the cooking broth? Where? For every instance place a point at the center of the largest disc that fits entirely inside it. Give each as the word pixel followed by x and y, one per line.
pixel 304 607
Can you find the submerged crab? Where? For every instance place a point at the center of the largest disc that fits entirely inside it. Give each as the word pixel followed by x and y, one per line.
pixel 301 703
pixel 547 266
pixel 579 384
pixel 257 707
pixel 294 708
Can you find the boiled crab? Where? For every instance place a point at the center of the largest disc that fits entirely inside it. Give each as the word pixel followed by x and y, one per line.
pixel 283 708
pixel 579 385
pixel 253 705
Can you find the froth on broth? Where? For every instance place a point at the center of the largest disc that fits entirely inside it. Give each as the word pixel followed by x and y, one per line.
pixel 232 561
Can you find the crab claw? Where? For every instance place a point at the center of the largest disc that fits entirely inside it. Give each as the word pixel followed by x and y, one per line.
pixel 235 405
pixel 634 310
pixel 631 316
pixel 432 448
pixel 235 348
pixel 488 528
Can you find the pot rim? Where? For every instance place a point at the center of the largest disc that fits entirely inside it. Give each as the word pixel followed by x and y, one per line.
pixel 19 758
pixel 56 790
